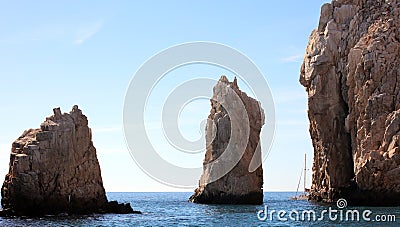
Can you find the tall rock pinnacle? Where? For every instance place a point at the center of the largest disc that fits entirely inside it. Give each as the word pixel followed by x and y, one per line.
pixel 232 171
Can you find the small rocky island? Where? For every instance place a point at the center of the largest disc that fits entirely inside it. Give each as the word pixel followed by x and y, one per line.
pixel 352 76
pixel 232 109
pixel 54 169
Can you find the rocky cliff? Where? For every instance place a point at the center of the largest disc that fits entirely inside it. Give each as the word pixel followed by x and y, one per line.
pixel 54 169
pixel 351 73
pixel 232 149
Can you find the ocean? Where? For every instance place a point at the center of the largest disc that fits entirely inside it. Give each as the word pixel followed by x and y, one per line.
pixel 173 209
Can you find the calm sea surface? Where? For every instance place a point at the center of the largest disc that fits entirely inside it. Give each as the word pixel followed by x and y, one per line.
pixel 172 209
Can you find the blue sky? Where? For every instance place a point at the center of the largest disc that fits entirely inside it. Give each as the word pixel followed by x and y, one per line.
pixel 57 54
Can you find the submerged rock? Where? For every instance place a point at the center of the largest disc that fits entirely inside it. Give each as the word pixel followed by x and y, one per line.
pixel 351 73
pixel 232 170
pixel 55 170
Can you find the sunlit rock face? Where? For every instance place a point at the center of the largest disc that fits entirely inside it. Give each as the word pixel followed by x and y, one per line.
pixel 54 169
pixel 351 73
pixel 232 171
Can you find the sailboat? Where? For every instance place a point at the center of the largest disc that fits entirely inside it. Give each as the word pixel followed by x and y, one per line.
pixel 304 195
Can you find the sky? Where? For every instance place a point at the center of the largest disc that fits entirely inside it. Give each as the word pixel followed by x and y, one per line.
pixel 58 54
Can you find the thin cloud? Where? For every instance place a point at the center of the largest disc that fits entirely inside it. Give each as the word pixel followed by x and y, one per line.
pixel 294 58
pixel 87 32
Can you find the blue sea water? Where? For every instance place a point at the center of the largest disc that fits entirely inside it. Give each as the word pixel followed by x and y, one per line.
pixel 173 209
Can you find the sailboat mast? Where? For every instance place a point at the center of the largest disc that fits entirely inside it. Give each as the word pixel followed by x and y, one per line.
pixel 305 171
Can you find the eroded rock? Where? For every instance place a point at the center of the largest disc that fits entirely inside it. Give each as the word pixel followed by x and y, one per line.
pixel 351 73
pixel 55 170
pixel 232 171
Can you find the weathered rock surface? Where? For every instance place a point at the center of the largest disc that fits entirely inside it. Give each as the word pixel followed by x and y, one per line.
pixel 55 170
pixel 351 73
pixel 232 171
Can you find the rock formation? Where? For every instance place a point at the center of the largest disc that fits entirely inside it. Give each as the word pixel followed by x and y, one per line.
pixel 232 171
pixel 351 73
pixel 55 170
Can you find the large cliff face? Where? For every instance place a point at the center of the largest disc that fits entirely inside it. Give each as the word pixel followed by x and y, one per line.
pixel 55 169
pixel 232 138
pixel 352 75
